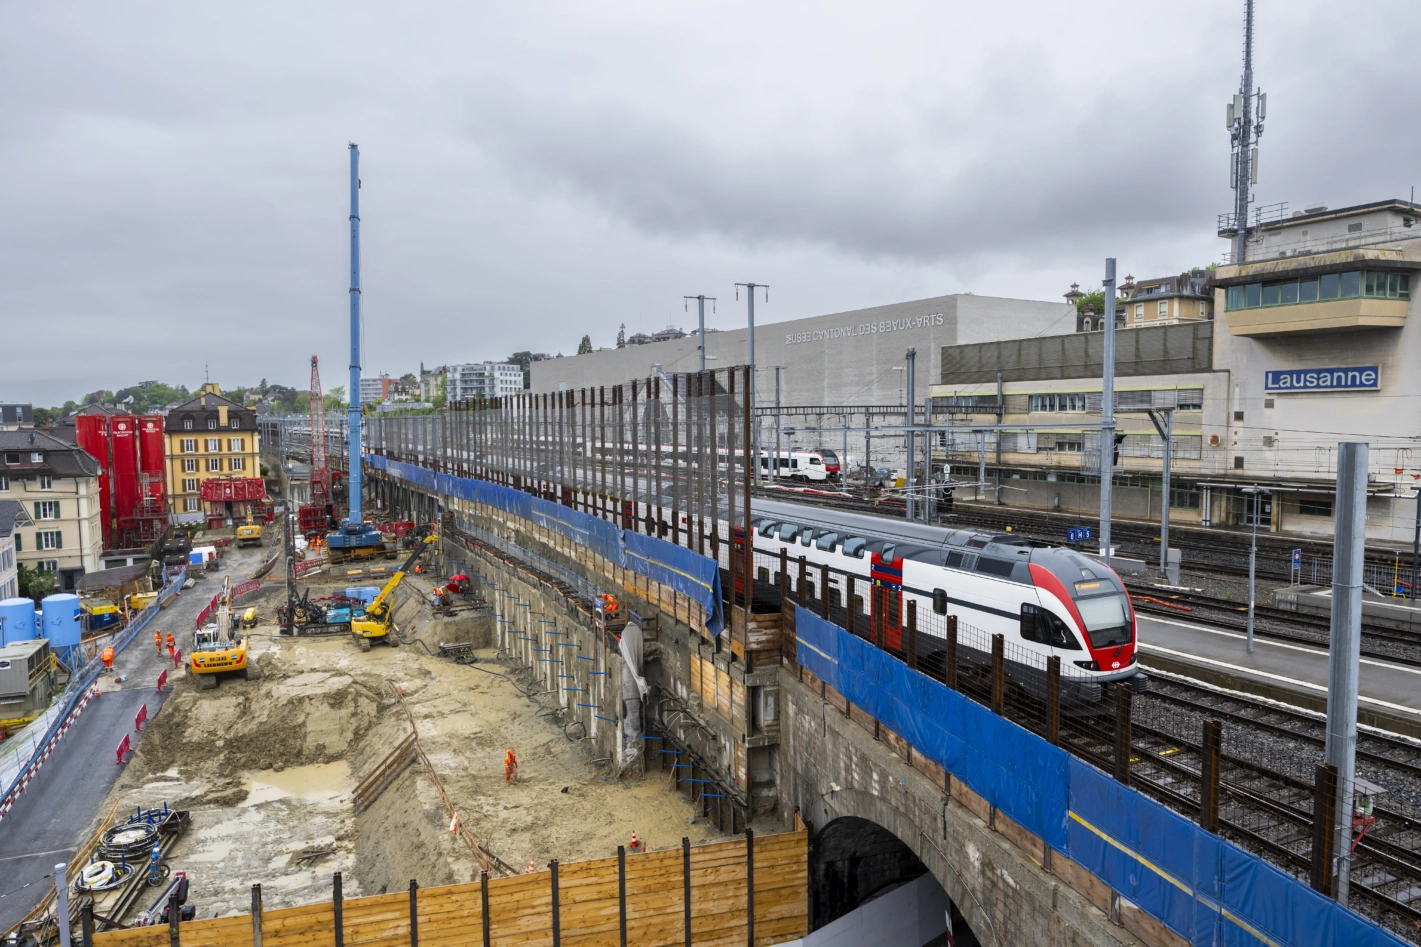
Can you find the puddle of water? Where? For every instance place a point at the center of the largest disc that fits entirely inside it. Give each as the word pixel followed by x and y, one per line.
pixel 315 783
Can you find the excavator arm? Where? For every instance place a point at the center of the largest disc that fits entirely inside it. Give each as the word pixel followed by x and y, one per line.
pixel 381 603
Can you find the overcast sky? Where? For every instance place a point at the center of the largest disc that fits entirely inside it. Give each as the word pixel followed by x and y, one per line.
pixel 175 175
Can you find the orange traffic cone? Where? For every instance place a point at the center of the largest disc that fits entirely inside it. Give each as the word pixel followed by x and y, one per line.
pixel 532 867
pixel 635 846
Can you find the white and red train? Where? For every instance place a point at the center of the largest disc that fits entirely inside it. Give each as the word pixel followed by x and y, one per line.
pixel 1044 600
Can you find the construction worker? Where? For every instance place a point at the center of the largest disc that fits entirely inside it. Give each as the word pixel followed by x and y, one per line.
pixel 158 641
pixel 108 662
pixel 171 643
pixel 510 768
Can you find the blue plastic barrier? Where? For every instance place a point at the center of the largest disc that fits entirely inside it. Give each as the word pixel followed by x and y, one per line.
pixel 687 572
pixel 1205 889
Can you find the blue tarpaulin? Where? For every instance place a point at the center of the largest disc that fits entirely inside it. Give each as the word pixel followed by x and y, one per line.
pixel 687 572
pixel 1200 886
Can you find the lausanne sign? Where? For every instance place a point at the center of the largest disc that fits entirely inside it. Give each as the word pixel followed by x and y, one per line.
pixel 1351 378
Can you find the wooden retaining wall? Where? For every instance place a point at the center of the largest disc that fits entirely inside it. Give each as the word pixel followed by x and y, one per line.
pixel 639 899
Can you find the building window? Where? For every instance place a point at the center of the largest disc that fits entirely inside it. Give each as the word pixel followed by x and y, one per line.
pixel 1164 308
pixel 214 465
pixel 1139 311
pixel 49 539
pixel 1327 286
pixel 47 510
pixel 190 485
pixel 190 465
pixel 237 445
pixel 4 484
pixel 19 542
pixel 1315 507
pixel 187 424
pixel 46 482
pixel 1190 399
pixel 190 504
pixel 1203 310
pixel 235 423
pixel 47 565
pixel 189 445
pixel 1184 498
pixel 238 463
pixel 214 444
pixel 1057 402
pixel 212 424
pixel 1238 463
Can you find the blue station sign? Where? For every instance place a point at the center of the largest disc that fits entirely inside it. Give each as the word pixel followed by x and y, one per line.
pixel 1351 378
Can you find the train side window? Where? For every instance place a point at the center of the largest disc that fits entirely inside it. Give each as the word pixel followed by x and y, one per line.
pixel 807 536
pixel 1031 623
pixel 939 601
pixel 853 547
pixel 827 541
pixel 1057 634
pixel 787 532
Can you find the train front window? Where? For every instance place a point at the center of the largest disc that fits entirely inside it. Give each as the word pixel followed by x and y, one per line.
pixel 830 457
pixel 1107 619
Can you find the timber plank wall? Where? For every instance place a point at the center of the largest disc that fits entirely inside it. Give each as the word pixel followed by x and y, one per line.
pixel 590 910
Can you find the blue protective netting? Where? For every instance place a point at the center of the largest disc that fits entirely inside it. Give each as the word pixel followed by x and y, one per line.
pixel 1204 888
pixel 687 572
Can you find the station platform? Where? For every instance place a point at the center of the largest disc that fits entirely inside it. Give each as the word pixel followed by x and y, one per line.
pixel 1389 698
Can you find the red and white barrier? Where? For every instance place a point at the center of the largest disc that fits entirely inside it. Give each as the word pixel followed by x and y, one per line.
pixel 140 718
pixel 45 752
pixel 124 746
pixel 162 681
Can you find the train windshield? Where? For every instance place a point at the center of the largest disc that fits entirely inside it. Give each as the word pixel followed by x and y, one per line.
pixel 830 458
pixel 1107 619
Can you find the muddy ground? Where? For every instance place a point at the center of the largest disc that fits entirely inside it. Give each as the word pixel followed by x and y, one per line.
pixel 268 767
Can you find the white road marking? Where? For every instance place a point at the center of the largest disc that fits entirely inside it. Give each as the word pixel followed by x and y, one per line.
pixel 1279 644
pixel 57 851
pixel 1277 677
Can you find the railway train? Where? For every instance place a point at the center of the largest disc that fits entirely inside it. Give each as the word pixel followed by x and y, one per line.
pixel 811 465
pixel 1045 600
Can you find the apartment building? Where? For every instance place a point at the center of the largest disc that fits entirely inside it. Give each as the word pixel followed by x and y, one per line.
pixel 58 484
pixel 13 516
pixel 208 437
pixel 483 380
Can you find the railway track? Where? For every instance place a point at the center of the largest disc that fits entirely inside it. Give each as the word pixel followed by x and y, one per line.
pixel 1384 644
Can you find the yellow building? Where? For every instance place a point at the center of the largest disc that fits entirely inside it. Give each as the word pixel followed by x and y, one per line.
pixel 209 437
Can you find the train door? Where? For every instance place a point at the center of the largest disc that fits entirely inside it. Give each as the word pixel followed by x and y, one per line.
pixel 886 619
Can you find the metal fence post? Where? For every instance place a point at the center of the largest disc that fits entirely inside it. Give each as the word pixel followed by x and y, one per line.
pixel 849 608
pixel 824 591
pixel 750 887
pixel 686 885
pixel 1324 815
pixel 1209 776
pixel 338 902
pixel 912 633
pixel 414 913
pixel 256 916
pixel 1053 700
pixel 61 904
pixel 949 675
pixel 483 912
pixel 998 674
pixel 622 892
pixel 557 908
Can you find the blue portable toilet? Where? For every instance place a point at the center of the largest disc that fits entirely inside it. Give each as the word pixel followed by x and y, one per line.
pixel 17 620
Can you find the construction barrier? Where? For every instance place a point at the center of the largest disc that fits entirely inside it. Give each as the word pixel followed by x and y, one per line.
pixel 588 903
pixel 1203 888
pixel 162 681
pixel 677 568
pixel 22 756
pixel 124 746
pixel 140 718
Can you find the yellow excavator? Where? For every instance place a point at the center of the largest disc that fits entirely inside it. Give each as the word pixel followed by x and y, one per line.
pixel 217 650
pixel 249 532
pixel 374 625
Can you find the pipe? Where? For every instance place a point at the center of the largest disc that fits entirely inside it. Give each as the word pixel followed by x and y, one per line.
pixel 353 411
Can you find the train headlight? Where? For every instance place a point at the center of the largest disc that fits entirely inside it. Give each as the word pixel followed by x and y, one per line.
pixel 1088 665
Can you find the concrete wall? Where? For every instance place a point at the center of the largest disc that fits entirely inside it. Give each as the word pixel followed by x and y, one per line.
pixel 832 767
pixel 912 914
pixel 843 358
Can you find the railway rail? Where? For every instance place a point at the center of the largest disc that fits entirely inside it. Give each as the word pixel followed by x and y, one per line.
pixel 1385 644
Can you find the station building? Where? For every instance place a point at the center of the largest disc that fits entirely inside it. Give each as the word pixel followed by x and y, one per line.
pixel 1311 341
pixel 846 358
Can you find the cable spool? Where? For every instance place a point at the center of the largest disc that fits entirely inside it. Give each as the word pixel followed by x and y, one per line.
pixel 128 841
pixel 102 876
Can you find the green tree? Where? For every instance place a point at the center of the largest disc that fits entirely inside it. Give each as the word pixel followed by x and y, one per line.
pixel 622 336
pixel 334 399
pixel 585 346
pixel 409 379
pixel 35 584
pixel 523 360
pixel 441 392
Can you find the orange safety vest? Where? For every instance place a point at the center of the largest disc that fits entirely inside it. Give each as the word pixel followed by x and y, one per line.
pixel 108 655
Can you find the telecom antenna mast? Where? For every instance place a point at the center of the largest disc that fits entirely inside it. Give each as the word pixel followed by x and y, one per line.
pixel 1245 129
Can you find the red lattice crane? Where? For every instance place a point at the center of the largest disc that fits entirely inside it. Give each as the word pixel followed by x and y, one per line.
pixel 316 515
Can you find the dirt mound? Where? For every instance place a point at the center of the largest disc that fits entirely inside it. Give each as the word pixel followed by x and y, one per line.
pixel 285 719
